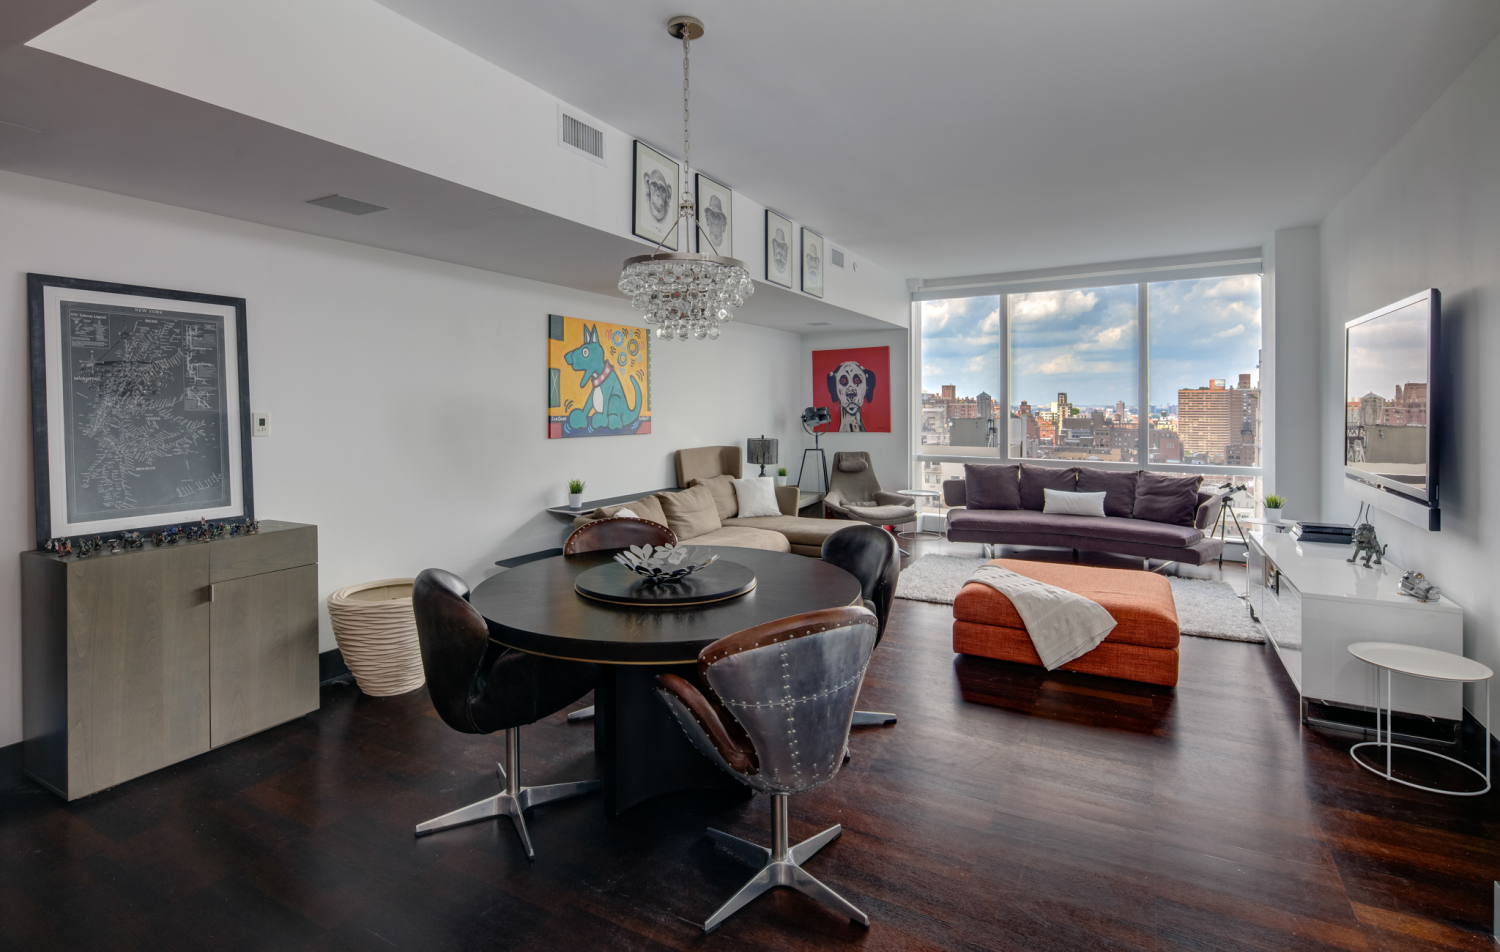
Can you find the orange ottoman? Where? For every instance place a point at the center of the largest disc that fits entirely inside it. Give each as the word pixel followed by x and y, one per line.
pixel 1142 646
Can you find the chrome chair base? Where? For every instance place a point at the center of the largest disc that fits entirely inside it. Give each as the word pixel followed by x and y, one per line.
pixel 513 801
pixel 582 714
pixel 872 719
pixel 780 866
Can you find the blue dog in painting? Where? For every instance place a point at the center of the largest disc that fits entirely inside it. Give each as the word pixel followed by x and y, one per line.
pixel 606 407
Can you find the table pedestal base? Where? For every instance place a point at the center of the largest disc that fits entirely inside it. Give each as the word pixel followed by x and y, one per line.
pixel 642 750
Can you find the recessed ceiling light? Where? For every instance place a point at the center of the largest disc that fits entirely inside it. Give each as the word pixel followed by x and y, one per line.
pixel 349 206
pixel 820 323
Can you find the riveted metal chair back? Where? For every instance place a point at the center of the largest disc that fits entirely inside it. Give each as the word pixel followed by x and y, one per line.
pixel 617 533
pixel 453 638
pixel 870 554
pixel 791 684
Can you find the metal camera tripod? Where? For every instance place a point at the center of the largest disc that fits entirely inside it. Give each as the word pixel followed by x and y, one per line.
pixel 1222 525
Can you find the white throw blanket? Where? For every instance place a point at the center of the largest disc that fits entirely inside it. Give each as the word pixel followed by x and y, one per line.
pixel 1063 625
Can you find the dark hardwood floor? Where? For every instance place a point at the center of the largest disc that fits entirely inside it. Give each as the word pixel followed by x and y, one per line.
pixel 1009 809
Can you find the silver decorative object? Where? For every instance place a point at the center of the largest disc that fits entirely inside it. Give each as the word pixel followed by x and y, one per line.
pixel 1416 585
pixel 1365 541
pixel 663 563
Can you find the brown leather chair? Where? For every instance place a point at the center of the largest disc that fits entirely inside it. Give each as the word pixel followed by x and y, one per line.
pixel 772 709
pixel 618 532
pixel 870 554
pixel 479 687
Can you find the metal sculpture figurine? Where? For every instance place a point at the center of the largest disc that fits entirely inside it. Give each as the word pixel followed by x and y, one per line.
pixel 1365 541
pixel 1415 585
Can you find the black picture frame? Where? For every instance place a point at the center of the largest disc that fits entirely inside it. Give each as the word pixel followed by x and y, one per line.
pixel 780 225
pixel 705 190
pixel 644 161
pixel 237 425
pixel 814 263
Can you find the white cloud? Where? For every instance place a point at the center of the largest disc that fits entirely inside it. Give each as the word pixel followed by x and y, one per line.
pixel 1040 305
pixel 1113 335
pixel 1232 331
pixel 1061 364
pixel 1240 284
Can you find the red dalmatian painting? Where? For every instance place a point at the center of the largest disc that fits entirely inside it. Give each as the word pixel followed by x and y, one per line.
pixel 854 384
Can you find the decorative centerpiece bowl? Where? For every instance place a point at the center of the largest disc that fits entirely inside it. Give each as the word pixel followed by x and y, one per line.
pixel 663 563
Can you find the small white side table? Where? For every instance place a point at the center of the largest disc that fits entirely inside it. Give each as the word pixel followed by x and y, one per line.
pixel 919 495
pixel 1420 663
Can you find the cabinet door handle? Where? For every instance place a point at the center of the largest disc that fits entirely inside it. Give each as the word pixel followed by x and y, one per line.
pixel 210 592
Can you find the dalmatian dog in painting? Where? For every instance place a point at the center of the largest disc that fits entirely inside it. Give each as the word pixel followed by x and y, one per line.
pixel 851 387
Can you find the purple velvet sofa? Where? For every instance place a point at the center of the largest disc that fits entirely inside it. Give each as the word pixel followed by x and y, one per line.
pixel 1147 515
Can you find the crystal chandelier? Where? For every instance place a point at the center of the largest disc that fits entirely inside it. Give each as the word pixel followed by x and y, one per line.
pixel 682 293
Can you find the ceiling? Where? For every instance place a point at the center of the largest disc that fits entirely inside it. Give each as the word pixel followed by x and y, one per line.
pixel 950 138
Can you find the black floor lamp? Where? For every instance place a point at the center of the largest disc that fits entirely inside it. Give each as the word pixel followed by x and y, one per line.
pixel 812 418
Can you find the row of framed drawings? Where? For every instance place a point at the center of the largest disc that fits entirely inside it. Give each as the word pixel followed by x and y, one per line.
pixel 656 180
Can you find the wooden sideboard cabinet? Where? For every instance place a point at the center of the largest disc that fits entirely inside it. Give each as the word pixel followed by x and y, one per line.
pixel 139 659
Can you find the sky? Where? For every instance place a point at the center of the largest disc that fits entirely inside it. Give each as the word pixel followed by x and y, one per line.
pixel 1083 342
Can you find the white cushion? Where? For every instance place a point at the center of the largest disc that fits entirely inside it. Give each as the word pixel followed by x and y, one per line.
pixel 1073 504
pixel 757 497
pixel 625 514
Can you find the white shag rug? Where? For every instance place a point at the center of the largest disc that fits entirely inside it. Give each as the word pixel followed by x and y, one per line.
pixel 1205 608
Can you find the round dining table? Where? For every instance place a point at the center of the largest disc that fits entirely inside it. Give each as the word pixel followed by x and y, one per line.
pixel 642 751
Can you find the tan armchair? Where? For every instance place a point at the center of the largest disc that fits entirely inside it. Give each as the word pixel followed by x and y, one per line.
pixel 855 493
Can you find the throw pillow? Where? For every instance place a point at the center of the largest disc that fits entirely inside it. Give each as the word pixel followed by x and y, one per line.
pixel 647 508
pixel 1073 504
pixel 757 497
pixel 690 513
pixel 1034 479
pixel 722 489
pixel 1172 500
pixel 851 464
pixel 1118 488
pixel 625 514
pixel 992 486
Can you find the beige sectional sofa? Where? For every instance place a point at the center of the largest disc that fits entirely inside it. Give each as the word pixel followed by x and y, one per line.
pixel 705 511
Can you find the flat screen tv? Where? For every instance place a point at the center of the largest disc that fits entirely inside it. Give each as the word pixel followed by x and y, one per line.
pixel 1390 417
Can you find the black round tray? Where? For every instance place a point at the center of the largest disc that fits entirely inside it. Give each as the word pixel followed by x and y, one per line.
pixel 616 584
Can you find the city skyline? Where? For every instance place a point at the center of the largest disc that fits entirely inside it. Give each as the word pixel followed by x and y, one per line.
pixel 1084 341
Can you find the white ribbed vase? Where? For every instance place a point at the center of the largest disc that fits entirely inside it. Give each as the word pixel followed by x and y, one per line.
pixel 377 633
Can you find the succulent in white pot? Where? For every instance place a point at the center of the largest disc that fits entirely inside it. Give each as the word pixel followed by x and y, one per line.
pixel 575 493
pixel 781 475
pixel 1273 508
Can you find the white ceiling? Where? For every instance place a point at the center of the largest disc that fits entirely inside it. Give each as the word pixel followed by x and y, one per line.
pixel 948 138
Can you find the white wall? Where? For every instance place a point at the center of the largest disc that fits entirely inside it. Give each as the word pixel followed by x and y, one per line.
pixel 1290 378
pixel 406 394
pixel 890 452
pixel 1428 215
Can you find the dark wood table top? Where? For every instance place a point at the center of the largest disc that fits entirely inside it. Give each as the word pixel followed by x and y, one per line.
pixel 535 608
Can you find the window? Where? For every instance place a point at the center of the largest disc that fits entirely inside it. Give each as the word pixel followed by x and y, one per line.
pixel 1062 373
pixel 1074 360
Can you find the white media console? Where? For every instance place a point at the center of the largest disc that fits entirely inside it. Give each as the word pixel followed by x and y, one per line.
pixel 1314 604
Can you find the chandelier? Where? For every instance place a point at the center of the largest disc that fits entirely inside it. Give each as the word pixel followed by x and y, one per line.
pixel 682 293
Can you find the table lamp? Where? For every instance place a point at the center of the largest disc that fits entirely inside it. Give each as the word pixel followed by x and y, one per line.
pixel 760 451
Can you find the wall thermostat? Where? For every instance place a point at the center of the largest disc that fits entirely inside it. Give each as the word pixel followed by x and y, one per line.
pixel 260 423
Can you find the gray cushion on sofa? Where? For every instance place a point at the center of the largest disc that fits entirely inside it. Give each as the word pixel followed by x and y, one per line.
pixel 992 486
pixel 1169 499
pixel 1117 486
pixel 1034 479
pixel 1021 523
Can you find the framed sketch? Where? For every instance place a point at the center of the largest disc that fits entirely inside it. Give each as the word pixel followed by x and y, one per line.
pixel 655 191
pixel 778 249
pixel 812 263
pixel 140 408
pixel 715 217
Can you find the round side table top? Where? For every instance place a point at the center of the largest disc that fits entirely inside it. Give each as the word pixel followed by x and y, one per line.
pixel 1420 662
pixel 918 492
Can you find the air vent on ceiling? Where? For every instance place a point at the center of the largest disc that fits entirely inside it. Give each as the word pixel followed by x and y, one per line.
pixel 837 257
pixel 349 206
pixel 577 133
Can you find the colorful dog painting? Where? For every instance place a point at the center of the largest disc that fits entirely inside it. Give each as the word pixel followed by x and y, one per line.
pixel 853 384
pixel 588 366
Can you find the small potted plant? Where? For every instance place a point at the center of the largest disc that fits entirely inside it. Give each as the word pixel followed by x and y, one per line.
pixel 575 493
pixel 1273 509
pixel 781 475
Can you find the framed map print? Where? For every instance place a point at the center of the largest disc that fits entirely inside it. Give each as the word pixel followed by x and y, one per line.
pixel 140 407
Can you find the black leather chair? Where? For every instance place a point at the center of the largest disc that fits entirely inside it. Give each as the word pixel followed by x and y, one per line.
pixel 870 554
pixel 602 535
pixel 772 709
pixel 479 687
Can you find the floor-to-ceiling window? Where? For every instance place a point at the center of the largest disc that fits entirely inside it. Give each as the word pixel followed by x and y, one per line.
pixel 1155 374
